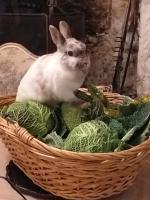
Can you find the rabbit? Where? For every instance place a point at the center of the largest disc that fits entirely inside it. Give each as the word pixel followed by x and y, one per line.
pixel 53 78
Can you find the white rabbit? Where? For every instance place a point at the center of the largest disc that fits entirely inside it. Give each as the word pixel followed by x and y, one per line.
pixel 54 77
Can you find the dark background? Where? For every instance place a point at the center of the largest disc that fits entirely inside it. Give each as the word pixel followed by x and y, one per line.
pixel 26 22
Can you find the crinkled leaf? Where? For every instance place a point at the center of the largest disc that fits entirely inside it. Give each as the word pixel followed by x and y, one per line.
pixel 33 116
pixel 108 146
pixel 3 111
pixel 133 132
pixel 116 128
pixel 142 99
pixel 92 136
pixel 72 115
pixel 60 126
pixel 112 111
pixel 141 135
pixel 98 100
pixel 126 110
pixel 97 94
pixel 127 100
pixel 53 139
pixel 139 117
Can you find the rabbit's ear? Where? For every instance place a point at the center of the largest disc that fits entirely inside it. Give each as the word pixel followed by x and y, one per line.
pixel 57 38
pixel 65 29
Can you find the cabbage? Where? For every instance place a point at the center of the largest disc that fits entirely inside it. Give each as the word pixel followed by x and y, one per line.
pixel 97 102
pixel 92 136
pixel 139 117
pixel 116 128
pixel 141 135
pixel 126 110
pixel 142 99
pixel 35 117
pixel 136 126
pixel 53 139
pixel 72 115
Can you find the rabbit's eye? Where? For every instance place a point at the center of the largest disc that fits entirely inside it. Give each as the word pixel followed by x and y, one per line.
pixel 70 53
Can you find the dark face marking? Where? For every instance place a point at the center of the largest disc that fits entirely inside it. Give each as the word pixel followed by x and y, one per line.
pixel 75 48
pixel 76 57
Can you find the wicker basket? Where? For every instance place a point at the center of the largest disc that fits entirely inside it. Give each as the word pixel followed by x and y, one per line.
pixel 71 175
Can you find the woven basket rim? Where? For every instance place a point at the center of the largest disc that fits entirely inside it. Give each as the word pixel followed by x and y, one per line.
pixel 135 148
pixel 70 154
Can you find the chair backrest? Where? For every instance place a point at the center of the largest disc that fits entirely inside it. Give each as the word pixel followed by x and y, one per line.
pixel 15 60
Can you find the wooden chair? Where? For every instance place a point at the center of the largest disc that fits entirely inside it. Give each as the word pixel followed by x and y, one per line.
pixel 15 59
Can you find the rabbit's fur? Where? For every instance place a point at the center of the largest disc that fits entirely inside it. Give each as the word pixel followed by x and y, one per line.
pixel 54 77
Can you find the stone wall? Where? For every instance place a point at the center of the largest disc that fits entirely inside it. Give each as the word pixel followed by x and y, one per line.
pixel 103 43
pixel 143 69
pixel 102 48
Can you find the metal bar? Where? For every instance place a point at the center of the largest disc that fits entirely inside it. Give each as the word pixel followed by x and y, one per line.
pixel 128 57
pixel 135 23
pixel 51 4
pixel 118 67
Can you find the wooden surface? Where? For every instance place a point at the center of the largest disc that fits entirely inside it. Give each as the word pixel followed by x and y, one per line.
pixel 139 191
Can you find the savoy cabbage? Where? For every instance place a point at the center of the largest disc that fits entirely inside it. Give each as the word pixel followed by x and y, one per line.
pixel 92 136
pixel 35 117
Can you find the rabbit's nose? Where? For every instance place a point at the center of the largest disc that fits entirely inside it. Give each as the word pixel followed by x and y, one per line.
pixel 81 65
pixel 85 63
